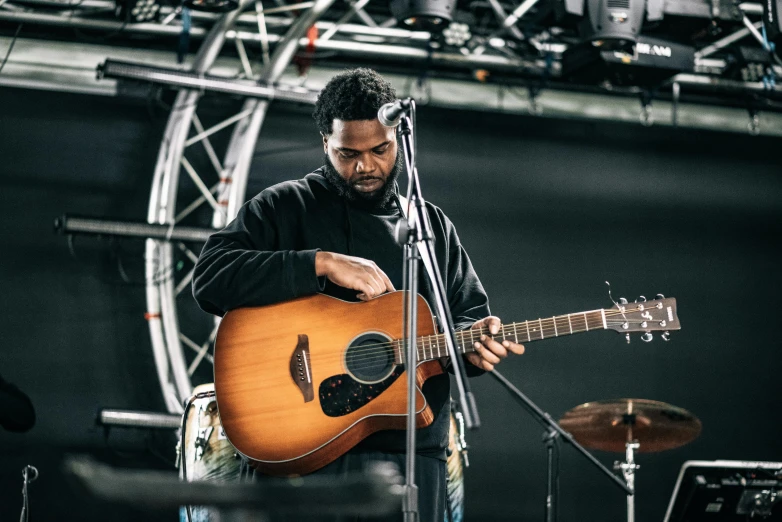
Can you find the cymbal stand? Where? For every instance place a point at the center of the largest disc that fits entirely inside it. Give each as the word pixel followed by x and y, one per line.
pixel 628 472
pixel 554 431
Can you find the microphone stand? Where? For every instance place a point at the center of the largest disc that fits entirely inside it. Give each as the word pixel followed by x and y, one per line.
pixel 554 431
pixel 419 245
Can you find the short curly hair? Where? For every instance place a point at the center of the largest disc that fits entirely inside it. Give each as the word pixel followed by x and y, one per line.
pixel 356 94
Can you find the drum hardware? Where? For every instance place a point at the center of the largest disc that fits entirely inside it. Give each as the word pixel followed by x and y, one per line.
pixel 553 432
pixel 459 440
pixel 456 462
pixel 202 441
pixel 631 426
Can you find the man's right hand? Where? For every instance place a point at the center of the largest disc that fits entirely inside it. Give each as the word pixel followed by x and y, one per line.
pixel 355 273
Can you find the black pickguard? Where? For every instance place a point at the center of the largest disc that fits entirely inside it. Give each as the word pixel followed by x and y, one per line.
pixel 341 394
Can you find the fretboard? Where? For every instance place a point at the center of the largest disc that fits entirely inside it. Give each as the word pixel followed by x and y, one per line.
pixel 434 346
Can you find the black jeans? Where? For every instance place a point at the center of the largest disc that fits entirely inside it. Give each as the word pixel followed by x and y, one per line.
pixel 430 477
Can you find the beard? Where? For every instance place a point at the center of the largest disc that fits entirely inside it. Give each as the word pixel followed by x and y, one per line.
pixel 377 199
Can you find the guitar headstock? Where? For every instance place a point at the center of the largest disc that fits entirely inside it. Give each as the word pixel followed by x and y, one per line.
pixel 644 316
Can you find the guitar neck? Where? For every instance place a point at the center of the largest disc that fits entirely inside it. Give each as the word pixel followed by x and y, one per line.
pixel 434 346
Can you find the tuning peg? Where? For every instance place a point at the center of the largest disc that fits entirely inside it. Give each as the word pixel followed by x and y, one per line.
pixel 627 336
pixel 660 296
pixel 647 337
pixel 666 336
pixel 641 297
pixel 622 300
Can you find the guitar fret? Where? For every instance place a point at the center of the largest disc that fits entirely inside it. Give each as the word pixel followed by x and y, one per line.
pixel 553 327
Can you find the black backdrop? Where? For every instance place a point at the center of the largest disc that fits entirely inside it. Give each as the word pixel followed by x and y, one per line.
pixel 548 211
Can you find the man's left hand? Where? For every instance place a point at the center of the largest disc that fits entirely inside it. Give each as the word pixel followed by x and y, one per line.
pixel 489 352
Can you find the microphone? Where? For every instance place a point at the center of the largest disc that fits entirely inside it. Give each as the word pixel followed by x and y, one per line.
pixel 391 114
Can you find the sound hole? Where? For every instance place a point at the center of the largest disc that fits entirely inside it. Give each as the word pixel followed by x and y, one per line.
pixel 370 357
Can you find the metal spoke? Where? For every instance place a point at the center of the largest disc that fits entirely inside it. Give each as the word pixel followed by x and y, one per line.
pixel 262 31
pixel 724 42
pixel 756 33
pixel 248 70
pixel 517 13
pixel 365 17
pixel 200 184
pixel 345 18
pixel 194 205
pixel 201 351
pixel 502 16
pixel 215 128
pixel 170 18
pixel 185 282
pixel 189 253
pixel 210 151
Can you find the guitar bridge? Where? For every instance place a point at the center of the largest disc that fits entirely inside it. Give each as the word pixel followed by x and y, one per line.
pixel 301 371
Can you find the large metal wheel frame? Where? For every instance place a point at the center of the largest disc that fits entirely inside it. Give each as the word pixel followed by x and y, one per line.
pixel 224 195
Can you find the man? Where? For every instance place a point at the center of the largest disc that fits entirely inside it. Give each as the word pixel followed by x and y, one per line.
pixel 333 232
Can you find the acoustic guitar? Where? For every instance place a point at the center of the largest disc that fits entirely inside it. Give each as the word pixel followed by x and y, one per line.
pixel 301 382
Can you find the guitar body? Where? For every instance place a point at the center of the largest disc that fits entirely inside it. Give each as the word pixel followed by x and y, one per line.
pixel 300 383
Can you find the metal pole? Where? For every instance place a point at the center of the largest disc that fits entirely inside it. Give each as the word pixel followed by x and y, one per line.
pixel 410 506
pixel 233 179
pixel 160 292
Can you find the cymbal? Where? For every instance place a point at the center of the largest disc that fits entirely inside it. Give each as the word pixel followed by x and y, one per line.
pixel 608 425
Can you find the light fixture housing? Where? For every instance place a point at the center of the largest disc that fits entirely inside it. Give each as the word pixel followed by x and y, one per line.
pixel 427 15
pixel 138 11
pixel 613 25
pixel 212 6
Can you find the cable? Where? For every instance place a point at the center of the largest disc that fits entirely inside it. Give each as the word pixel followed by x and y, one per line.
pixel 11 47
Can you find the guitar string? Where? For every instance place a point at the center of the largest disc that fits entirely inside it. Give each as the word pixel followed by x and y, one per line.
pixel 397 351
pixel 380 350
pixel 370 354
pixel 548 324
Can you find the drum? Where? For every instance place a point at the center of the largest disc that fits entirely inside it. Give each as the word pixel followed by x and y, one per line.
pixel 207 454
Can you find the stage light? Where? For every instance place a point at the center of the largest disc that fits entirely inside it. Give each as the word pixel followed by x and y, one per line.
pixel 457 34
pixel 138 11
pixel 613 25
pixel 212 6
pixel 427 15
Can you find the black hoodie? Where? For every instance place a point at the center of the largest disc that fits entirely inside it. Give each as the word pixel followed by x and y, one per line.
pixel 267 255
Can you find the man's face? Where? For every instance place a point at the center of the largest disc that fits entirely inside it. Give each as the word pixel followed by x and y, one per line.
pixel 364 155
